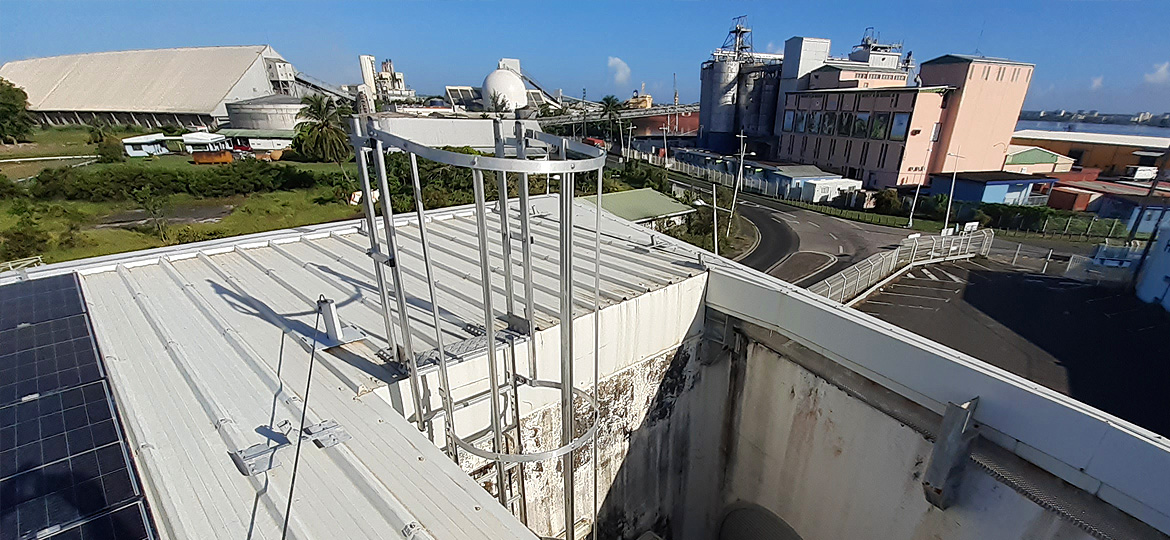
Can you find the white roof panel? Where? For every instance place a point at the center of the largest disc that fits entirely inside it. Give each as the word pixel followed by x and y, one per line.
pixel 1140 141
pixel 204 347
pixel 187 80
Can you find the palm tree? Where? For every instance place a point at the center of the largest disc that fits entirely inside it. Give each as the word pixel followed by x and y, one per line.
pixel 320 132
pixel 610 106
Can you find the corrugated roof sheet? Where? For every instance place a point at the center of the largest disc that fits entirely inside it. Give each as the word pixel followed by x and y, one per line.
pixel 639 204
pixel 186 80
pixel 1140 141
pixel 205 353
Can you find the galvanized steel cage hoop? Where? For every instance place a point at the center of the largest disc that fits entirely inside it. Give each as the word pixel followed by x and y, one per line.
pixel 565 158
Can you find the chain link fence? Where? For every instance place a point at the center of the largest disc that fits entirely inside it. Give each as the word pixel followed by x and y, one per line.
pixel 847 285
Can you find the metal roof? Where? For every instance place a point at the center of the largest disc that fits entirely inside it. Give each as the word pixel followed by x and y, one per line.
pixel 639 205
pixel 186 80
pixel 200 357
pixel 971 58
pixel 258 133
pixel 1140 141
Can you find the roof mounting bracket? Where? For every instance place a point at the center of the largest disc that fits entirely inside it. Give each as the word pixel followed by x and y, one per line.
pixel 951 449
pixel 258 458
pixel 326 433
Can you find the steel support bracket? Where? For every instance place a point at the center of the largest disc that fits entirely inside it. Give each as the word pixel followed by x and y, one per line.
pixel 381 258
pixel 258 458
pixel 951 449
pixel 326 433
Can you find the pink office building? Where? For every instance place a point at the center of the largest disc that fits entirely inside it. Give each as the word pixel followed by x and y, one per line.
pixel 960 118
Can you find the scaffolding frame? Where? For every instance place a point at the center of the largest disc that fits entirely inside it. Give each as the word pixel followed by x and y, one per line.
pixel 566 160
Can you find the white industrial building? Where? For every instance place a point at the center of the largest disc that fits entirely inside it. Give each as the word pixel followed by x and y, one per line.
pixel 826 189
pixel 188 87
pixel 725 403
pixel 1153 283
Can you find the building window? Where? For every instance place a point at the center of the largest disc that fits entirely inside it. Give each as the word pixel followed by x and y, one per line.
pixel 803 145
pixel 861 125
pixel 1029 77
pixel 934 133
pixel 986 72
pixel 879 126
pixel 848 150
pixel 814 122
pixel 999 76
pixel 844 124
pixel 1015 74
pixel 789 116
pixel 831 103
pixel 829 124
pixel 882 156
pixel 832 148
pixel 864 153
pixel 799 122
pixel 817 149
pixel 899 126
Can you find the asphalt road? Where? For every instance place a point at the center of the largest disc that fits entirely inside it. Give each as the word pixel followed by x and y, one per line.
pixel 802 246
pixel 1098 344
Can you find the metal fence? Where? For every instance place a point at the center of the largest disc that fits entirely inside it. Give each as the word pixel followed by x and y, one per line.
pixel 847 285
pixel 18 264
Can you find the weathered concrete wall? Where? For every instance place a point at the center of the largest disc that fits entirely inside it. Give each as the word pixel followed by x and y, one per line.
pixel 832 466
pixel 659 459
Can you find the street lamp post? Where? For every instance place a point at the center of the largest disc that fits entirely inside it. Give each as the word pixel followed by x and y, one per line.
pixel 665 148
pixel 913 205
pixel 954 178
pixel 738 179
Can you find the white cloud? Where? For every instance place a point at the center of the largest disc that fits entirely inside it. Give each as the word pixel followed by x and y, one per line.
pixel 1160 75
pixel 620 70
pixel 1098 82
pixel 773 48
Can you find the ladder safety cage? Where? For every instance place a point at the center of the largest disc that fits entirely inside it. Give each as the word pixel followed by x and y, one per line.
pixel 566 159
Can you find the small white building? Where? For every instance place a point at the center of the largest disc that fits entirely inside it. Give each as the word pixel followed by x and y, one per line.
pixel 827 189
pixel 151 144
pixel 258 140
pixel 205 142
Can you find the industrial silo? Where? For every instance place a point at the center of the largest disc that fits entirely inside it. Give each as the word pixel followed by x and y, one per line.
pixel 719 92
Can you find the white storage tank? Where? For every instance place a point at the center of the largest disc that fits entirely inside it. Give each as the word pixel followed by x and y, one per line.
pixel 276 112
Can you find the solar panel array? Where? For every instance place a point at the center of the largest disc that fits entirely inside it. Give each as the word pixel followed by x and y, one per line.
pixel 65 468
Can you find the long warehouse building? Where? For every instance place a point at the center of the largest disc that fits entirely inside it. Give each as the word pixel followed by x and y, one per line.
pixel 154 87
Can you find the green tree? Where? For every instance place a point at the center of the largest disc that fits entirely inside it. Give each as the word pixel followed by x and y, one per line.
pixel 16 122
pixel 321 135
pixel 155 206
pixel 887 202
pixel 25 238
pixel 610 107
pixel 98 130
pixel 499 103
pixel 110 151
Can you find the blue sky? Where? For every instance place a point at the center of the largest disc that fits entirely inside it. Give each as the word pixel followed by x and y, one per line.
pixel 1089 54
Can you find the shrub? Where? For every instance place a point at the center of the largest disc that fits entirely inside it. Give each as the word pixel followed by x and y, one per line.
pixel 109 150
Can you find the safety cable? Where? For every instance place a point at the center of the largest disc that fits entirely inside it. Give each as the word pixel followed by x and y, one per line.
pixel 304 410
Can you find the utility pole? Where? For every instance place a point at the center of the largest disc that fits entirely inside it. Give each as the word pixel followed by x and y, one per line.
pixel 913 205
pixel 738 180
pixel 665 148
pixel 951 197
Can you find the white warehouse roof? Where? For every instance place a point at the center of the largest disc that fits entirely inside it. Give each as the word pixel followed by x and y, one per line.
pixel 193 337
pixel 1141 141
pixel 186 80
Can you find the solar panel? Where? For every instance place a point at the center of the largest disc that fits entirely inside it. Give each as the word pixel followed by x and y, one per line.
pixel 65 470
pixel 47 356
pixel 61 460
pixel 40 300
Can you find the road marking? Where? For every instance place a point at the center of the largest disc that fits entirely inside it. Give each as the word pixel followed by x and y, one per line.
pixel 851 224
pixel 917 296
pixel 833 235
pixel 782 219
pixel 867 302
pixel 840 250
pixel 944 289
pixel 929 275
pixel 814 224
pixel 950 275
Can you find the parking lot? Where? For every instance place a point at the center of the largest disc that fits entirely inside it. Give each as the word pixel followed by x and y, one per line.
pixel 1096 343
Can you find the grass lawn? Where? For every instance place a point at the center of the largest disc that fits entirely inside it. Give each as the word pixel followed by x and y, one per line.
pixel 248 214
pixel 182 162
pixel 52 142
pixel 25 169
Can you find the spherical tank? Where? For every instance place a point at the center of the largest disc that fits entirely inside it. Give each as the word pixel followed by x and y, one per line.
pixel 508 85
